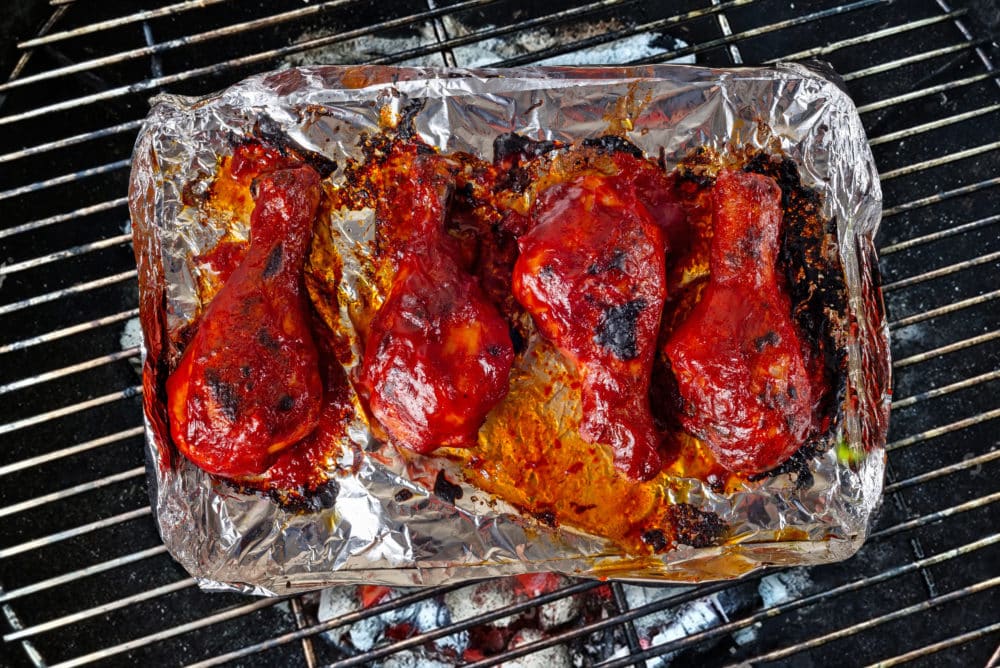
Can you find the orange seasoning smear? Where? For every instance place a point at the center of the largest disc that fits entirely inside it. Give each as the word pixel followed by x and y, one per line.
pixel 229 203
pixel 576 482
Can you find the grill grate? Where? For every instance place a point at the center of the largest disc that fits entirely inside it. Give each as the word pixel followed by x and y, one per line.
pixel 83 576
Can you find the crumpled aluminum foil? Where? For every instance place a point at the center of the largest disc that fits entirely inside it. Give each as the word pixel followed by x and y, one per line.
pixel 231 540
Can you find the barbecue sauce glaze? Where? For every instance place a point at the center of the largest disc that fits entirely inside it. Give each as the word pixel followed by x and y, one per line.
pixel 248 385
pixel 650 308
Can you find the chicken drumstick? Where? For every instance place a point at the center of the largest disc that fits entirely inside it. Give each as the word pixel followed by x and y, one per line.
pixel 248 385
pixel 738 358
pixel 591 273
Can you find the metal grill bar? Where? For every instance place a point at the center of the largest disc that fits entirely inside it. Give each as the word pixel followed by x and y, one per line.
pixel 22 62
pixel 586 629
pixel 931 518
pixel 440 33
pixel 458 41
pixel 126 353
pixel 447 43
pixel 911 60
pixel 946 389
pixel 66 292
pixel 68 331
pixel 219 68
pixel 402 601
pixel 933 125
pixel 130 126
pixel 63 217
pixel 30 545
pixel 944 429
pixel 936 236
pixel 764 30
pixel 882 619
pixel 614 35
pixel 79 448
pixel 648 27
pixel 942 271
pixel 937 162
pixel 481 619
pixel 944 350
pixel 16 425
pixel 940 275
pixel 628 616
pixel 795 604
pixel 621 604
pixel 867 37
pixel 31 504
pixel 397 603
pixel 924 92
pixel 300 621
pixel 455 42
pixel 484 34
pixel 226 615
pixel 289 637
pixel 15 623
pixel 961 25
pixel 945 310
pixel 65 178
pixel 994 660
pixel 73 576
pixel 940 197
pixel 737 58
pixel 163 47
pixel 646 610
pixel 933 648
pixel 75 251
pixel 965 464
pixel 100 609
pixel 145 15
pixel 451 43
pixel 422 638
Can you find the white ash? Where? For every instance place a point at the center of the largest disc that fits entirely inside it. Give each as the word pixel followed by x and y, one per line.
pixel 491 50
pixel 626 49
pixel 366 49
pixel 336 602
pixel 671 623
pixel 910 335
pixel 784 586
pixel 550 657
pixel 636 597
pixel 556 613
pixel 413 659
pixel 131 335
pixel 366 634
pixel 746 635
pixel 481 598
pixel 690 618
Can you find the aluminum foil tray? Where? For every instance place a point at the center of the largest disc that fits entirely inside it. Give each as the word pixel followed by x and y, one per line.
pixel 232 540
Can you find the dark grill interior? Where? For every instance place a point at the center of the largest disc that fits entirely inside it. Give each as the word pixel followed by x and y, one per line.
pixel 83 577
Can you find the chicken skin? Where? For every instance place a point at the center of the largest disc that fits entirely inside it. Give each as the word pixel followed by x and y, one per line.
pixel 438 354
pixel 738 358
pixel 248 385
pixel 592 274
